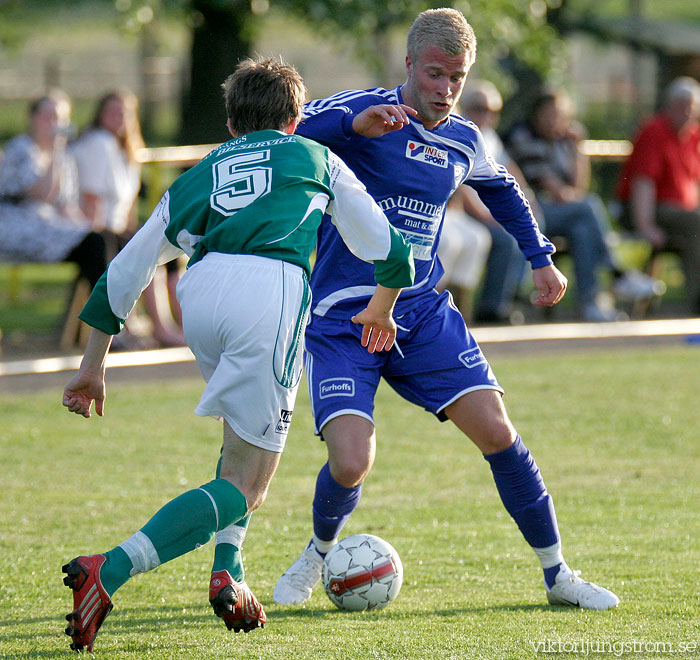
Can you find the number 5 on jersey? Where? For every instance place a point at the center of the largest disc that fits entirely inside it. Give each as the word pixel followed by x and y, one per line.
pixel 239 182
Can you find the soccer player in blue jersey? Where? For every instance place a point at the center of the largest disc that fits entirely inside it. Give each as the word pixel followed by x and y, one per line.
pixel 412 152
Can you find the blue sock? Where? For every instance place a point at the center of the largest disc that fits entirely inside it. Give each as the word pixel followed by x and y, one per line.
pixel 333 505
pixel 550 575
pixel 525 497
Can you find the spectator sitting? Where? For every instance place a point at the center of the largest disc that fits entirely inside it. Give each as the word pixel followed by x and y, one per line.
pixel 660 182
pixel 546 149
pixel 40 219
pixel 506 265
pixel 463 249
pixel 110 180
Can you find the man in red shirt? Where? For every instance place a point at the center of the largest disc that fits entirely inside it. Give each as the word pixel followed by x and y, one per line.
pixel 660 182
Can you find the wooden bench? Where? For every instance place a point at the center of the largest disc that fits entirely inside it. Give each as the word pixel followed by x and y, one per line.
pixel 72 332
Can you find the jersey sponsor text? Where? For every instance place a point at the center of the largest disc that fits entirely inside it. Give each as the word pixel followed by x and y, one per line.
pixel 426 154
pixel 472 357
pixel 336 387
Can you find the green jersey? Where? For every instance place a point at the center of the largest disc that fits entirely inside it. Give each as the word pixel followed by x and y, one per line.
pixel 261 194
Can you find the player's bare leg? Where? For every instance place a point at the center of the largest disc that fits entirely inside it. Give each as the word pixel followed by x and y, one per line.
pixel 247 467
pixel 351 444
pixel 183 524
pixel 250 469
pixel 228 544
pixel 482 416
pixel 227 555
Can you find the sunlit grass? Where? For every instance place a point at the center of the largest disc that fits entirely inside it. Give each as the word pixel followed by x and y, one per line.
pixel 614 432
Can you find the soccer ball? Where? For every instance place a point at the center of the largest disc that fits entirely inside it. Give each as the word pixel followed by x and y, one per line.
pixel 362 572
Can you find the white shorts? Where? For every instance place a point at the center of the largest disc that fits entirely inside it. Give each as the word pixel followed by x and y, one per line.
pixel 244 318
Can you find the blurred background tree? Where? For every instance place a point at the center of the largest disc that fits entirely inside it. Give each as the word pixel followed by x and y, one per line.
pixel 224 31
pixel 521 44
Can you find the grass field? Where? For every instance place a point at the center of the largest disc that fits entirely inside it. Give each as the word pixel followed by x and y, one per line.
pixel 616 436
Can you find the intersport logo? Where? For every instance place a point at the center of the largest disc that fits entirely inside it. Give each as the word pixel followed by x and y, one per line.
pixel 284 421
pixel 426 154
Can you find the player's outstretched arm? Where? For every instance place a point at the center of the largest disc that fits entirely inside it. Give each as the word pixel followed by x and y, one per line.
pixel 551 284
pixel 378 120
pixel 379 328
pixel 88 384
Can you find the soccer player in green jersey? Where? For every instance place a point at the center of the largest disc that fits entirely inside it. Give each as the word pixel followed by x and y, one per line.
pixel 246 216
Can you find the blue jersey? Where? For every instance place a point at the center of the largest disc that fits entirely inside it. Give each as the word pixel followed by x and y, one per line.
pixel 411 173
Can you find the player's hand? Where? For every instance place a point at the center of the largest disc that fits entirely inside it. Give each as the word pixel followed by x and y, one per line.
pixel 378 332
pixel 551 284
pixel 378 120
pixel 82 390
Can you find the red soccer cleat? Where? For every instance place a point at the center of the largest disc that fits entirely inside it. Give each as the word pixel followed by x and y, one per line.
pixel 235 603
pixel 91 604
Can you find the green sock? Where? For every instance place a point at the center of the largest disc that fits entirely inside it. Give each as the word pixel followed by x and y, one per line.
pixel 191 520
pixel 227 555
pixel 116 570
pixel 182 525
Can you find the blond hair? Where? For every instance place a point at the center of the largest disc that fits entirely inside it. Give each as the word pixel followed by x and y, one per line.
pixel 263 94
pixel 445 28
pixel 132 140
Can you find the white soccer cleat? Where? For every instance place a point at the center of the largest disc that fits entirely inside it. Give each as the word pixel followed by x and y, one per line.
pixel 296 585
pixel 570 589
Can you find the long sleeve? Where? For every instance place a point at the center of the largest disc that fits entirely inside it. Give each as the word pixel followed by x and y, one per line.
pixel 129 273
pixel 501 194
pixel 329 121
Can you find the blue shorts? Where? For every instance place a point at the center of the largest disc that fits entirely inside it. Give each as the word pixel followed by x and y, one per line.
pixel 434 362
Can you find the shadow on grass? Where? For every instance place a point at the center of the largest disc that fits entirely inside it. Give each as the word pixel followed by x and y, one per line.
pixel 63 649
pixel 128 617
pixel 132 618
pixel 31 654
pixel 309 613
pixel 195 614
pixel 160 615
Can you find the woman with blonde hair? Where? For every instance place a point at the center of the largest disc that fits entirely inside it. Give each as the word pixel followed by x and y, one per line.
pixel 109 174
pixel 110 180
